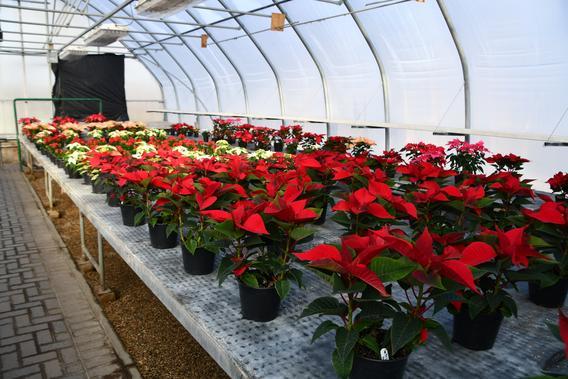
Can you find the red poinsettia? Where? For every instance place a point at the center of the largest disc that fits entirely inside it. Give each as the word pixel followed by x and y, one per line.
pixel 550 213
pixel 363 201
pixel 514 244
pixel 454 262
pixel 289 209
pixel 244 216
pixel 352 260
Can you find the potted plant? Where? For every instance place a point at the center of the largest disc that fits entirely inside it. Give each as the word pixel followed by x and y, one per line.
pixel 199 240
pixel 478 314
pixel 163 214
pixel 133 185
pixel 337 144
pixel 559 185
pixel 361 146
pixel 554 366
pixel 205 134
pixel 550 225
pixel 310 141
pixel 263 265
pixel 243 135
pixel 261 137
pixel 366 344
pixel 466 158
pixel 247 258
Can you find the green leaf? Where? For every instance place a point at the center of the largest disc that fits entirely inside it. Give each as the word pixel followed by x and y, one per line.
pixel 226 267
pixel 139 217
pixel 339 287
pixel 374 310
pixel 325 306
pixel 171 228
pixel 296 275
pixel 371 343
pixel 403 330
pixel 476 305
pixel 345 341
pixel 300 233
pixel 249 279
pixel 438 330
pixel 282 287
pixel 227 228
pixel 485 202
pixel 555 330
pixel 323 328
pixel 390 270
pixel 342 366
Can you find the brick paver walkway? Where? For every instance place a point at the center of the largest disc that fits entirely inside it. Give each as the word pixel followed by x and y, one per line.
pixel 50 326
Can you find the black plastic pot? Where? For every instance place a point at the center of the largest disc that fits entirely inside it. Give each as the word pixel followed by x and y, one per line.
pixel 243 144
pixel 98 187
pixel 278 146
pixel 73 174
pixel 112 199
pixel 86 179
pixel 159 239
pixel 259 304
pixel 549 297
pixel 205 137
pixel 60 163
pixel 365 368
pixel 200 263
pixel 479 333
pixel 129 213
pixel 321 219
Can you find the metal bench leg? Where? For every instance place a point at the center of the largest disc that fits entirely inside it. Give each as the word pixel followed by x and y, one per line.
pixel 89 263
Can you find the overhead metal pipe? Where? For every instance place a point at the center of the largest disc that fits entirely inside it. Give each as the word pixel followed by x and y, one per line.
pixel 325 88
pixel 266 58
pixel 463 62
pixel 100 22
pixel 231 18
pixel 382 70
pixel 231 62
pixel 90 15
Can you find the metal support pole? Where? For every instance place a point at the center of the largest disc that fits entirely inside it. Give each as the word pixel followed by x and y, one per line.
pixel 464 65
pixel 316 63
pixel 82 234
pixel 382 70
pixel 50 192
pixel 101 260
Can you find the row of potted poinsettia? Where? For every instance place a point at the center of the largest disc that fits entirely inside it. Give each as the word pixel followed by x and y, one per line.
pixel 424 222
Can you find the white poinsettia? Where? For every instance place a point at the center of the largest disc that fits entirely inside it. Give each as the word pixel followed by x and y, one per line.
pixel 260 154
pixel 70 133
pixel 143 148
pixel 120 134
pixel 76 146
pixel 73 158
pixel 96 133
pixel 105 148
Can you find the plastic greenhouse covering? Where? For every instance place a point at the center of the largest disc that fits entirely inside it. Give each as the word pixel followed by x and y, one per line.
pixel 396 62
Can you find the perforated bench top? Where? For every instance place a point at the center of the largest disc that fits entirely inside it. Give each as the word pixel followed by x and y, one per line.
pixel 281 348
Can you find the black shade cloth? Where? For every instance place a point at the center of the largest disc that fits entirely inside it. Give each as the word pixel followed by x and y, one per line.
pixel 92 76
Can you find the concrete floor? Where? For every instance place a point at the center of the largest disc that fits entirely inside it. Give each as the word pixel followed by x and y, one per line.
pixel 50 325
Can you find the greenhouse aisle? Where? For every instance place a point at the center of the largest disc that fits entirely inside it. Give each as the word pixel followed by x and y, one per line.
pixel 50 325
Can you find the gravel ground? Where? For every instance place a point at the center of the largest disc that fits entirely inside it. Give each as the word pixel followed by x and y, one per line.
pixel 159 345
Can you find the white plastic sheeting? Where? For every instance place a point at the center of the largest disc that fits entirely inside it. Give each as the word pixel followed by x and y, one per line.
pixel 515 51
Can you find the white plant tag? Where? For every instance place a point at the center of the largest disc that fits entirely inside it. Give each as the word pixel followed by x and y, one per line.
pixel 384 354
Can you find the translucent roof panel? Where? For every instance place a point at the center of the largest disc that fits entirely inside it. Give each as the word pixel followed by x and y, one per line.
pixel 300 79
pixel 351 73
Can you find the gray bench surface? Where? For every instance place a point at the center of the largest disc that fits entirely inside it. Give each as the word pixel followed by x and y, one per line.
pixel 281 348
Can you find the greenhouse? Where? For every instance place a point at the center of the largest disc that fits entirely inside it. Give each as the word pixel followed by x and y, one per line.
pixel 364 189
